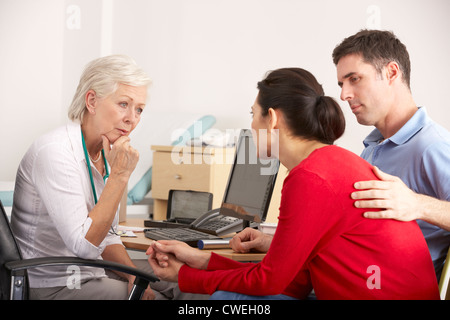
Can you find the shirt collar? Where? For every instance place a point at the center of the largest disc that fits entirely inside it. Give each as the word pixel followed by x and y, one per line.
pixel 414 125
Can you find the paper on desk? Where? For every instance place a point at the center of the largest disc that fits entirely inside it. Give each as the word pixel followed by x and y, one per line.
pixel 127 228
pixel 126 234
pixel 129 231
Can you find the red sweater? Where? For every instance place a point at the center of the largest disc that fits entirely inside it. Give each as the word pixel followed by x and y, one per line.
pixel 323 242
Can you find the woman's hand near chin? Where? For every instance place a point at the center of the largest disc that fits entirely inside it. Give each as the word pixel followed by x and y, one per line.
pixel 121 156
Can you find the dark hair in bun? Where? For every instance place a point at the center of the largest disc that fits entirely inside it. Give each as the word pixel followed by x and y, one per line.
pixel 308 113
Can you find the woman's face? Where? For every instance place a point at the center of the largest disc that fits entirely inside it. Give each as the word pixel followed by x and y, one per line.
pixel 119 113
pixel 263 135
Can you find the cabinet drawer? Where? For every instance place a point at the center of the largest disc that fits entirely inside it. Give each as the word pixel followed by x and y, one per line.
pixel 185 175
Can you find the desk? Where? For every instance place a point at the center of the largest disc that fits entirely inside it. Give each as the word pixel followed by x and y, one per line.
pixel 141 243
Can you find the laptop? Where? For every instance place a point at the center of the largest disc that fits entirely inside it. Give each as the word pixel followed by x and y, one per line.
pixel 183 207
pixel 246 198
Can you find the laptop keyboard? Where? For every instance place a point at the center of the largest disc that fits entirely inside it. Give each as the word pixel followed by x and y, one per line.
pixel 190 236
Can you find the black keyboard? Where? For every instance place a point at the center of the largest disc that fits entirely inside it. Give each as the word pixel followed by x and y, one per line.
pixel 190 236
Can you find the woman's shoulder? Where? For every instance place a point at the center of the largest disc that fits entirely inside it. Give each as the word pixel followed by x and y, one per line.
pixel 333 165
pixel 330 159
pixel 55 141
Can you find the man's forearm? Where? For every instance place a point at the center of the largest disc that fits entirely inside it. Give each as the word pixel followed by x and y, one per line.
pixel 434 211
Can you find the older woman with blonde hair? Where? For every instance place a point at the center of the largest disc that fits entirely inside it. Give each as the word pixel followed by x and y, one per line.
pixel 70 182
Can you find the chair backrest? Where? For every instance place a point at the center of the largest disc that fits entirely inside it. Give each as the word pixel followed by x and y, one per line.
pixel 444 283
pixel 9 251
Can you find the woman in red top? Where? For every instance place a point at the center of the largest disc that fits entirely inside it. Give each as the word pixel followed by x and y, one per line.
pixel 322 241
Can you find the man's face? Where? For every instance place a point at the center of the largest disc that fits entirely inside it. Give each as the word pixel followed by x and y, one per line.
pixel 365 90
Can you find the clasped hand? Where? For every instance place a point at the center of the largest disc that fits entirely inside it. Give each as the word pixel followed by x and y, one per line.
pixel 166 257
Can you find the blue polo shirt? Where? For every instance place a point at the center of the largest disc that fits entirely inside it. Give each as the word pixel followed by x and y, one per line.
pixel 419 154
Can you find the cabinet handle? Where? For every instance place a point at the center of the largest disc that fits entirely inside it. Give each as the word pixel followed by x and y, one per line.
pixel 177 176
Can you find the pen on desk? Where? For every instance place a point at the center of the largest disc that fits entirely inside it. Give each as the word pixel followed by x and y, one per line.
pixel 214 244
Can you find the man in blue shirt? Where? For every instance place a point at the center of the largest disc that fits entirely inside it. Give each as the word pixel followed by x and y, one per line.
pixel 373 70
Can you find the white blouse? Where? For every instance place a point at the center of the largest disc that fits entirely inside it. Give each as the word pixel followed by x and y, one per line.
pixel 52 201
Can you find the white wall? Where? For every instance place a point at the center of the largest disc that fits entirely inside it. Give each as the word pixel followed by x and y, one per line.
pixel 205 56
pixel 31 37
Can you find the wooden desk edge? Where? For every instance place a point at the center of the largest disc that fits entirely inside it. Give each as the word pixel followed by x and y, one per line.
pixel 141 243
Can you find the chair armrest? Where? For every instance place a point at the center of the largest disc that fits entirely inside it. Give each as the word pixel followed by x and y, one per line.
pixel 19 265
pixel 17 268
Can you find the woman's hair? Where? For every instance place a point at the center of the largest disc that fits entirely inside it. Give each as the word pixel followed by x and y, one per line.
pixel 307 112
pixel 103 75
pixel 377 48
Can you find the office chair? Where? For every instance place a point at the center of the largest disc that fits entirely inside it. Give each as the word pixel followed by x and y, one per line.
pixel 444 283
pixel 13 268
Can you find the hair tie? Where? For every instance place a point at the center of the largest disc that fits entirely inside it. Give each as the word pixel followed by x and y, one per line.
pixel 319 99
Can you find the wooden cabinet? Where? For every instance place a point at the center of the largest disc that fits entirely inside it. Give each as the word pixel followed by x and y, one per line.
pixel 198 169
pixel 189 168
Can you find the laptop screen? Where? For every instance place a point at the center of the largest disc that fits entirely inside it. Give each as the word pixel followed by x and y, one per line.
pixel 250 183
pixel 187 204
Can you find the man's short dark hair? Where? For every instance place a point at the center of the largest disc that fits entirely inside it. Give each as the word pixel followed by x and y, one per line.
pixel 377 48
